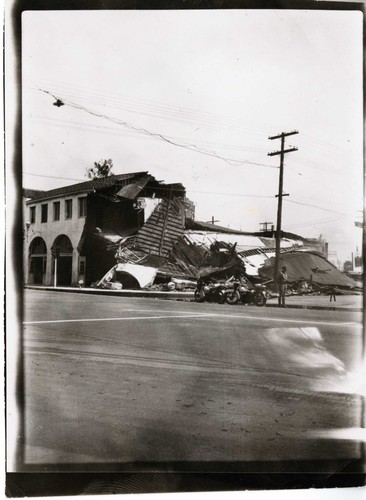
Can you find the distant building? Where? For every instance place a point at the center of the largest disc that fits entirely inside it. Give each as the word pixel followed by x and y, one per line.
pixel 69 232
pixel 319 245
pixel 333 259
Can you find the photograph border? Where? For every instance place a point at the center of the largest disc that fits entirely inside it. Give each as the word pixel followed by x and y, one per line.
pixel 124 478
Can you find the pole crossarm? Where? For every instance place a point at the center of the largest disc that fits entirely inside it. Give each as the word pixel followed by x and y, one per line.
pixel 283 134
pixel 282 152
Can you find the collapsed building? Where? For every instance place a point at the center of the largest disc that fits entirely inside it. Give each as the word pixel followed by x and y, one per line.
pixel 71 233
pixel 204 249
pixel 133 231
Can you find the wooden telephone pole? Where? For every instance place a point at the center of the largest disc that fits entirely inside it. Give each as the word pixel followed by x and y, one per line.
pixel 280 195
pixel 212 221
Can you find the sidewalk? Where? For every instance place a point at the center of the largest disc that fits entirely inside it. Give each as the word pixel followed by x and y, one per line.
pixel 350 303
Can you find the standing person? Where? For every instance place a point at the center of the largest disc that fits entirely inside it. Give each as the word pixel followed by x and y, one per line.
pixel 332 294
pixel 282 286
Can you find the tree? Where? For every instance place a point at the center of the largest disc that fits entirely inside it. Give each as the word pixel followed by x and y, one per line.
pixel 102 168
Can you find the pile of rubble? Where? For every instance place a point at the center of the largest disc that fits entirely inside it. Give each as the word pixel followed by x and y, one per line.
pixel 308 272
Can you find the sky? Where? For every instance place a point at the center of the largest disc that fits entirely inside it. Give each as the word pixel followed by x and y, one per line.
pixel 192 97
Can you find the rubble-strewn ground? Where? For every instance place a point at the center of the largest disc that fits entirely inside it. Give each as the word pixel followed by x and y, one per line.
pixel 115 380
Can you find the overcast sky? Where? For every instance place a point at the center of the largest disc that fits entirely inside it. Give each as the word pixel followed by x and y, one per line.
pixel 217 84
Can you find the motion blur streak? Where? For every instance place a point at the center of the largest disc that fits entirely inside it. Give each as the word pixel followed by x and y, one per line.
pixel 306 356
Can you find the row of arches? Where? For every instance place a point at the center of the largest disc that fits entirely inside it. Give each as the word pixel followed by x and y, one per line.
pixel 38 260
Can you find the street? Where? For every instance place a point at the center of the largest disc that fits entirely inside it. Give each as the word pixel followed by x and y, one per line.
pixel 112 380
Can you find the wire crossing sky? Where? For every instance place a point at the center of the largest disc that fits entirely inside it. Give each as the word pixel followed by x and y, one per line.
pixel 192 147
pixel 192 97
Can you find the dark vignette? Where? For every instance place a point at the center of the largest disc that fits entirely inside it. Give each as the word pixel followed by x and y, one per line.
pixel 149 478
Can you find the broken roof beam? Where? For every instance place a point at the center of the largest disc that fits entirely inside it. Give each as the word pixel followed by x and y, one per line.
pixel 158 189
pixel 132 190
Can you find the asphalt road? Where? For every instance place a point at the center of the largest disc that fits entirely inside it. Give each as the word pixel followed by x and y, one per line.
pixel 111 380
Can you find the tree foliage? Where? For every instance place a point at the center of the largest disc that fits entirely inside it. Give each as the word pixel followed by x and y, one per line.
pixel 102 168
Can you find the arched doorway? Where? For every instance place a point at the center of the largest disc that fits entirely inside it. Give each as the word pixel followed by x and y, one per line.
pixel 37 261
pixel 62 260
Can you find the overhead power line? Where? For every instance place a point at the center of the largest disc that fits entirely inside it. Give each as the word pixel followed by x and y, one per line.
pixel 215 193
pixel 315 223
pixel 159 109
pixel 205 192
pixel 53 177
pixel 231 194
pixel 96 95
pixel 191 147
pixel 114 130
pixel 319 208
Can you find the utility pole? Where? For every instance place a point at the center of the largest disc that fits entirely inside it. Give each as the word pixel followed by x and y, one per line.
pixel 212 221
pixel 280 195
pixel 263 226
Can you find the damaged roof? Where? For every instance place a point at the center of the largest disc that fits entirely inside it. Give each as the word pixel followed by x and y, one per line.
pixel 244 241
pixel 305 265
pixel 129 184
pixel 208 226
pixel 93 185
pixel 131 190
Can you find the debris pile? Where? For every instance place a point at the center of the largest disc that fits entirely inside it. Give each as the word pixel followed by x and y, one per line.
pixel 163 255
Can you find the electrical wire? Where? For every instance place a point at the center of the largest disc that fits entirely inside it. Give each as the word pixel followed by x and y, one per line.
pixel 176 116
pixel 317 165
pixel 54 177
pixel 118 131
pixel 319 208
pixel 191 147
pixel 215 193
pixel 231 194
pixel 174 111
pixel 191 113
pixel 144 104
pixel 308 224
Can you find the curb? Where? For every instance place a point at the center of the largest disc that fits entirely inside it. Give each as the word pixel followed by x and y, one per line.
pixel 319 308
pixel 118 293
pixel 172 296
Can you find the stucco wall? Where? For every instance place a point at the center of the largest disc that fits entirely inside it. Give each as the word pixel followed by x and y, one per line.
pixel 50 230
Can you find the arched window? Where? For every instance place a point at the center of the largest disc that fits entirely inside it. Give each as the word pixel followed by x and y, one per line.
pixel 63 243
pixel 38 247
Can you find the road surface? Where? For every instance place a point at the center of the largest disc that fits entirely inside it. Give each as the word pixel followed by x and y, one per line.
pixel 111 380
